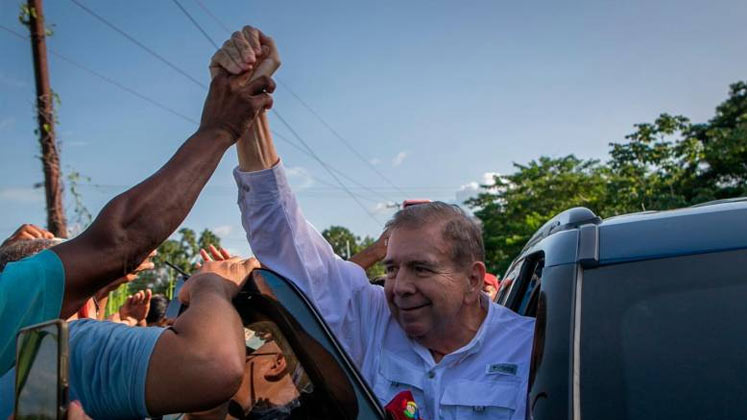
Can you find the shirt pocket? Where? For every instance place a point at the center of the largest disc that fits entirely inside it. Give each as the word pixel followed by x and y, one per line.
pixel 396 375
pixel 479 400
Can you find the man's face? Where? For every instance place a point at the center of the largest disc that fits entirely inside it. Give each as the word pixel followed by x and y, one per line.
pixel 425 290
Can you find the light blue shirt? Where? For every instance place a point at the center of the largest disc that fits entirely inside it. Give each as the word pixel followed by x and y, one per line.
pixel 31 291
pixel 108 367
pixel 486 379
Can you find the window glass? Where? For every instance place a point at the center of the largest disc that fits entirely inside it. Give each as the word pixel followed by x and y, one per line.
pixel 275 383
pixel 529 292
pixel 508 282
pixel 665 338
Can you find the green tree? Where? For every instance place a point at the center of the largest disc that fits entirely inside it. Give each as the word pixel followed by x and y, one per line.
pixel 183 252
pixel 343 241
pixel 665 164
pixel 518 204
pixel 724 143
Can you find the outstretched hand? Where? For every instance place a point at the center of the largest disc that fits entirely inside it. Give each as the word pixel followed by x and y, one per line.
pixel 233 270
pixel 28 231
pixel 136 307
pixel 234 102
pixel 246 51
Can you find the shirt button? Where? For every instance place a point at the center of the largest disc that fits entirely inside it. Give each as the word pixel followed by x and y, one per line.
pixel 431 374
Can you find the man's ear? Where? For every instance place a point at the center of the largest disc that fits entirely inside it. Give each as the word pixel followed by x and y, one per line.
pixel 476 278
pixel 278 368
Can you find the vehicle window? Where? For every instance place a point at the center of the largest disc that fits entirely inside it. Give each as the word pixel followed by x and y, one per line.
pixel 523 281
pixel 530 292
pixel 508 281
pixel 319 380
pixel 275 383
pixel 665 338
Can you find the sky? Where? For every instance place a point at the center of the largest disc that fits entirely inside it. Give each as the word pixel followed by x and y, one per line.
pixel 435 95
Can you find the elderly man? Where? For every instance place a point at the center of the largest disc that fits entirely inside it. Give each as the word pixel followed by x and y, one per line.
pixel 431 331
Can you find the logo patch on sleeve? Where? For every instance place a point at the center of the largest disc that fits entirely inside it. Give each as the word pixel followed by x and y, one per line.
pixel 502 368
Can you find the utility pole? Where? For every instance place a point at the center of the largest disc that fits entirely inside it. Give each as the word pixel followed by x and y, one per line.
pixel 56 222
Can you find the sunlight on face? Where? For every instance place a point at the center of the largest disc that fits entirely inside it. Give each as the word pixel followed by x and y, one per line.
pixel 424 290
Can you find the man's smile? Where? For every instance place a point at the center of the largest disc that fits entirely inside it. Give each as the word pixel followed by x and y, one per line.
pixel 414 308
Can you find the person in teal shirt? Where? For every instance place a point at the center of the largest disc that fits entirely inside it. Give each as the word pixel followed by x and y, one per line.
pixel 31 291
pixel 57 282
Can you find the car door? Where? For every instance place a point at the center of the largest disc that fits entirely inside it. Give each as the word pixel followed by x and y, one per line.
pixel 323 382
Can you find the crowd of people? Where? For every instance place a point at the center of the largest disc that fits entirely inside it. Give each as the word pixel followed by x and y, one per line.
pixel 431 331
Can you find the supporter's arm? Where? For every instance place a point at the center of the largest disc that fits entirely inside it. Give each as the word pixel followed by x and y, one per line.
pixel 203 353
pixel 135 222
pixel 195 365
pixel 372 254
pixel 27 231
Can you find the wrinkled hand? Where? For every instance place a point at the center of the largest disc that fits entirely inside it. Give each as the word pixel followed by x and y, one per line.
pixel 147 264
pixel 380 245
pixel 234 102
pixel 233 270
pixel 372 254
pixel 136 308
pixel 28 231
pixel 246 51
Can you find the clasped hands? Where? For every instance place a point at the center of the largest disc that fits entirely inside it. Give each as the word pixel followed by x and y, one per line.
pixel 241 84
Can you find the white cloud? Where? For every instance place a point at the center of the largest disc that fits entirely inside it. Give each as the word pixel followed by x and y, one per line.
pixel 299 178
pixel 472 189
pixel 374 161
pixel 223 230
pixel 22 195
pixel 467 191
pixel 384 206
pixel 397 160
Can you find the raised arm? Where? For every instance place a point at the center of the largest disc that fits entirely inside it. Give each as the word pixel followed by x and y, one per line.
pixel 136 221
pixel 285 242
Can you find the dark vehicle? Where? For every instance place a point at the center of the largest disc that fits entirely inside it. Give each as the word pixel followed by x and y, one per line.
pixel 642 316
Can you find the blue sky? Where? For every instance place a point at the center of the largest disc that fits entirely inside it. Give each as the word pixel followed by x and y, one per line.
pixel 435 94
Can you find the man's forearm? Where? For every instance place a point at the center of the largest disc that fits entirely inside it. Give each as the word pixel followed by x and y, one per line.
pixel 138 220
pixel 255 149
pixel 202 357
pixel 366 258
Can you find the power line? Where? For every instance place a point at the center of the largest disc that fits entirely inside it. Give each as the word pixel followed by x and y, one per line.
pixel 215 18
pixel 178 114
pixel 342 174
pixel 170 110
pixel 341 138
pixel 295 134
pixel 139 44
pixel 308 107
pixel 194 22
pixel 332 174
pixel 109 80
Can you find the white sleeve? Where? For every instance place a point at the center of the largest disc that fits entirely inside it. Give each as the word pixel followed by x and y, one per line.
pixel 284 241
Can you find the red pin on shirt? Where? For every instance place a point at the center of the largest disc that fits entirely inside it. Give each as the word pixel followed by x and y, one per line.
pixel 403 407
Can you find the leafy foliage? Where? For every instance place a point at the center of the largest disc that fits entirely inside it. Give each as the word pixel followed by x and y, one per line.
pixel 346 244
pixel 665 164
pixel 183 253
